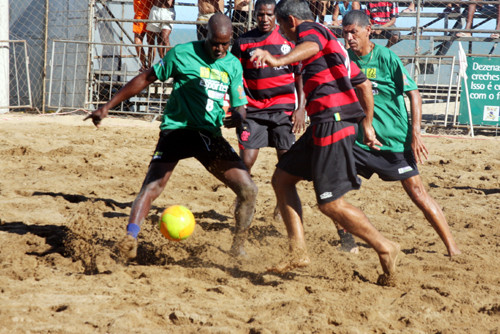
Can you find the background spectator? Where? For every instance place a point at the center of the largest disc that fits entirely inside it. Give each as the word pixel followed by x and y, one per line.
pixel 206 8
pixel 141 12
pixel 342 8
pixel 240 15
pixel 162 10
pixel 485 9
pixel 383 14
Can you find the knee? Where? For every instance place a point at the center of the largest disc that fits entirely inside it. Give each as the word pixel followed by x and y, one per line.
pixel 281 181
pixel 248 191
pixel 419 195
pixel 331 209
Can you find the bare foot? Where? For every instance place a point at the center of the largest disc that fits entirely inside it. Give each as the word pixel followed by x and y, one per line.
pixel 389 260
pixel 464 34
pixel 128 247
pixel 238 246
pixel 298 258
pixel 454 252
pixel 288 265
pixel 495 35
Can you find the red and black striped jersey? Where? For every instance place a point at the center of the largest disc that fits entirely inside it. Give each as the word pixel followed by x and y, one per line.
pixel 329 77
pixel 381 12
pixel 268 89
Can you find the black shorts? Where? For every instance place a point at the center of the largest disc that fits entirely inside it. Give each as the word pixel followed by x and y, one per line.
pixel 266 130
pixel 174 145
pixel 389 166
pixel 323 154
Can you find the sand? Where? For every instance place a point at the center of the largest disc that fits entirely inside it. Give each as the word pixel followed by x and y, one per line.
pixel 66 190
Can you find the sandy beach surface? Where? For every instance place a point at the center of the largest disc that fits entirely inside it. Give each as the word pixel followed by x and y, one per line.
pixel 65 194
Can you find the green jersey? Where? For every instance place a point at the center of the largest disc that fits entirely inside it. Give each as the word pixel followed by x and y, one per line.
pixel 200 84
pixel 390 80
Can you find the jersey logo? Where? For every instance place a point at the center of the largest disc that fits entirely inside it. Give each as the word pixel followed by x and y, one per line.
pixel 371 73
pixel 245 135
pixel 403 170
pixel 241 91
pixel 325 195
pixel 157 155
pixel 285 49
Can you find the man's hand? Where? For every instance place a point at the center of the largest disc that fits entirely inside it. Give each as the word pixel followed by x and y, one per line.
pixel 261 58
pixel 97 116
pixel 299 121
pixel 232 121
pixel 370 138
pixel 419 150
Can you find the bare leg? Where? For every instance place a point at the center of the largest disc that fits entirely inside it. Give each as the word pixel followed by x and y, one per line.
pixel 249 156
pixel 470 20
pixel 235 176
pixel 355 221
pixel 138 38
pixel 291 212
pixel 276 213
pixel 433 213
pixel 392 40
pixel 153 185
pixel 496 34
pixel 151 37
pixel 165 41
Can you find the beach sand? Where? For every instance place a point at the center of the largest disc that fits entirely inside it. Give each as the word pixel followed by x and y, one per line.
pixel 65 194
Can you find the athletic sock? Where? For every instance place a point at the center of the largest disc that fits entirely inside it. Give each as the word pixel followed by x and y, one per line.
pixel 133 230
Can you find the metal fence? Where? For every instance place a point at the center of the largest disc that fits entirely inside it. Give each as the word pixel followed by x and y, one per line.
pixel 80 53
pixel 18 74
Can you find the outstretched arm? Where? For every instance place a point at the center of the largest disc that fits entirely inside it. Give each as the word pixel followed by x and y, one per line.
pixel 365 96
pixel 132 88
pixel 417 145
pixel 302 51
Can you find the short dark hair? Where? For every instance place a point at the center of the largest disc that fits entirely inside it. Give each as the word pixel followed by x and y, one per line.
pixel 296 8
pixel 356 17
pixel 264 3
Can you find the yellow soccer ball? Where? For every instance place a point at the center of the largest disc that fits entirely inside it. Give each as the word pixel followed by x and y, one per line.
pixel 177 223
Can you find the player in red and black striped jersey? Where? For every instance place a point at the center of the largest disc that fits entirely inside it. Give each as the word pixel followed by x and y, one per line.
pixel 383 14
pixel 272 118
pixel 324 153
pixel 272 92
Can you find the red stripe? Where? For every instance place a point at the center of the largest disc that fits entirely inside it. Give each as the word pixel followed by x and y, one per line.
pixel 339 135
pixel 333 100
pixel 272 82
pixel 266 103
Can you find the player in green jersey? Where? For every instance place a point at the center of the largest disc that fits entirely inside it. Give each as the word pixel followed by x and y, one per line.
pixel 402 146
pixel 203 71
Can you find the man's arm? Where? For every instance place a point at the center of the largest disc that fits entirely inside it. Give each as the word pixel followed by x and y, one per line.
pixel 299 114
pixel 238 114
pixel 419 150
pixel 132 88
pixel 390 23
pixel 300 52
pixel 365 96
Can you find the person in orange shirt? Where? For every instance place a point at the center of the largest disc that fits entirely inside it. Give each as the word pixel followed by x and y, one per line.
pixel 141 12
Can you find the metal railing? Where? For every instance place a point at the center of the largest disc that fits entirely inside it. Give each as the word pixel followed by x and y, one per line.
pixel 19 83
